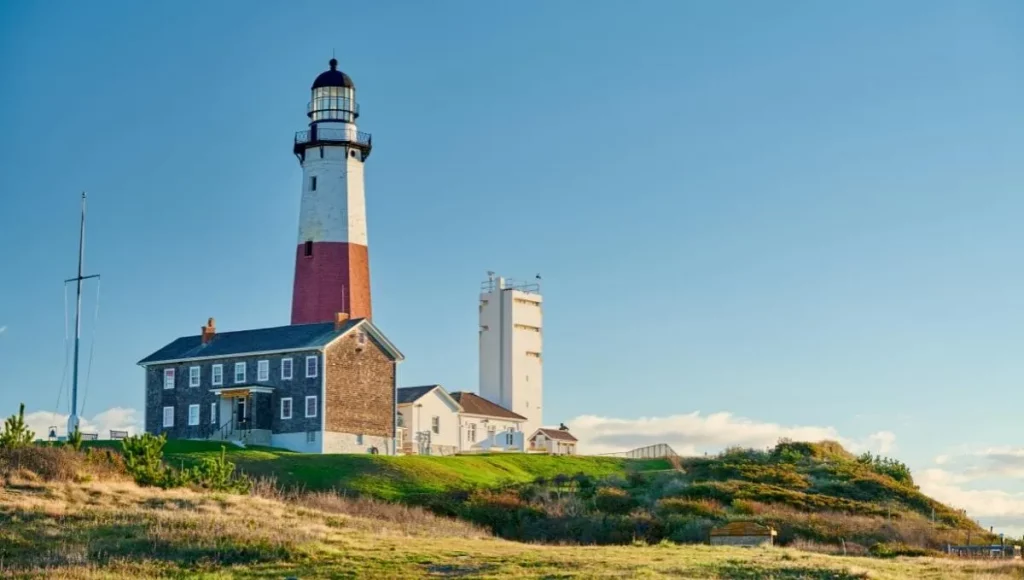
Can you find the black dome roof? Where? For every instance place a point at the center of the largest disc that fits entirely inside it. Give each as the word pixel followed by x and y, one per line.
pixel 333 78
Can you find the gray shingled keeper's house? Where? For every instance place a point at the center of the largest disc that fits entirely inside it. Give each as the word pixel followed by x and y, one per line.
pixel 316 388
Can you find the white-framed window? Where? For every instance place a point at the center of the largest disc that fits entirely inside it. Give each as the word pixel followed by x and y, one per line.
pixel 217 374
pixel 311 366
pixel 435 424
pixel 471 432
pixel 311 406
pixel 359 439
pixel 286 408
pixel 509 438
pixel 240 372
pixel 168 378
pixel 286 369
pixel 263 370
pixel 491 430
pixel 168 416
pixel 194 376
pixel 361 338
pixel 193 415
pixel 213 413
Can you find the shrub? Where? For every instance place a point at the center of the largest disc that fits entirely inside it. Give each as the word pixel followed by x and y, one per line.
pixel 216 474
pixel 106 463
pixel 707 508
pixel 75 439
pixel 613 500
pixel 16 434
pixel 143 459
pixel 893 549
pixel 747 507
pixel 685 530
pixel 636 479
pixel 48 463
pixel 887 466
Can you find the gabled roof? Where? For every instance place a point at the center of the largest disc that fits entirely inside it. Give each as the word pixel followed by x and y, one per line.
pixel 412 394
pixel 474 404
pixel 556 434
pixel 407 395
pixel 266 340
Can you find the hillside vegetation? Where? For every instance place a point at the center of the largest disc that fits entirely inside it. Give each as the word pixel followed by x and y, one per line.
pixel 65 514
pixel 393 478
pixel 817 495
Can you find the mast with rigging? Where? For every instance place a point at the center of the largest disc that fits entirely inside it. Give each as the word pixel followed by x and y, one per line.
pixel 73 417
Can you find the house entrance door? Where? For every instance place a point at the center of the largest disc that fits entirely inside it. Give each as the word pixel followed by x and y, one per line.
pixel 241 418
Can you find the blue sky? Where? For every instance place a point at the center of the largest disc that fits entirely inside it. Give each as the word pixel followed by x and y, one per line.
pixel 801 213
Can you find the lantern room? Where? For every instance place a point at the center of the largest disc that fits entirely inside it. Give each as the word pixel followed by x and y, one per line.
pixel 334 97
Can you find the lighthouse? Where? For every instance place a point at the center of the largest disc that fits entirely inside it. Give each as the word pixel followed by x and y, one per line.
pixel 332 264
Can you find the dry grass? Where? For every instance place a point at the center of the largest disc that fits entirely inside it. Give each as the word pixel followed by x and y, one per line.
pixel 116 530
pixel 61 464
pixel 401 518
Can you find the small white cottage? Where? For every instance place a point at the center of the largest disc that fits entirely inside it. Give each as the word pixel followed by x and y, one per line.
pixel 554 441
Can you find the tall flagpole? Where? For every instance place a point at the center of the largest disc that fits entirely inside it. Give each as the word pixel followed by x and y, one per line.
pixel 73 418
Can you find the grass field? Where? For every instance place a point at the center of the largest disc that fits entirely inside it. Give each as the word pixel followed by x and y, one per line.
pixel 396 478
pixel 116 529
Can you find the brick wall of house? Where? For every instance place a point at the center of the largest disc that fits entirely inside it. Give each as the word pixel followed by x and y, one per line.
pixel 267 407
pixel 360 388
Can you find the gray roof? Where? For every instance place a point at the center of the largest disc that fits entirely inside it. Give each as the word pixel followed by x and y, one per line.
pixel 411 394
pixel 278 338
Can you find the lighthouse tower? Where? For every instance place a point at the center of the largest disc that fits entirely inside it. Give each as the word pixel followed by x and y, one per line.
pixel 332 265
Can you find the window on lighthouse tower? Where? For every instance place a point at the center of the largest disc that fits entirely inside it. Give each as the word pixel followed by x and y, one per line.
pixel 309 248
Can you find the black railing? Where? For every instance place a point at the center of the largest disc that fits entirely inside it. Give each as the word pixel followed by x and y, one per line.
pixel 333 135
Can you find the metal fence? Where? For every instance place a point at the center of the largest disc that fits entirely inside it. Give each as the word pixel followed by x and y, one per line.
pixel 657 451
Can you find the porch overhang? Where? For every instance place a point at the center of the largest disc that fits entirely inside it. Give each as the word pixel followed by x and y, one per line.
pixel 241 391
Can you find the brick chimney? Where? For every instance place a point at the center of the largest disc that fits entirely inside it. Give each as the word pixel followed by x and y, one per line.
pixel 209 330
pixel 340 318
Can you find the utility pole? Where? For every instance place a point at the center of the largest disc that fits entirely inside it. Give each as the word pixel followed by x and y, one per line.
pixel 73 418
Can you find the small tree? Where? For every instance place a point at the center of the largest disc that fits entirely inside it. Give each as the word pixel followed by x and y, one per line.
pixel 16 434
pixel 218 474
pixel 143 458
pixel 75 439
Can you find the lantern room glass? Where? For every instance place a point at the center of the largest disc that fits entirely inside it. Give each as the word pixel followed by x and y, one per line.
pixel 333 104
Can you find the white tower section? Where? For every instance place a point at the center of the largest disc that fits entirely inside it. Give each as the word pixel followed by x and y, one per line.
pixel 511 355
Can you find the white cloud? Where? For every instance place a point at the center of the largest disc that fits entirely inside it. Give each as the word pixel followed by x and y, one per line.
pixel 693 434
pixel 117 418
pixel 985 482
pixel 991 507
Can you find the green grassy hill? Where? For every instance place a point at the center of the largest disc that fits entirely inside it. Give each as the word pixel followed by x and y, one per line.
pixel 816 495
pixel 397 478
pixel 65 527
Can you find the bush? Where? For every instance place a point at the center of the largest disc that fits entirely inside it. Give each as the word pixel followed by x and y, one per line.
pixel 706 508
pixel 685 530
pixel 747 507
pixel 75 440
pixel 48 463
pixel 143 460
pixel 16 434
pixel 613 500
pixel 216 474
pixel 893 549
pixel 887 466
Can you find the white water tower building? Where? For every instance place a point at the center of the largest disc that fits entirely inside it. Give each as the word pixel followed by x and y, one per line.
pixel 511 355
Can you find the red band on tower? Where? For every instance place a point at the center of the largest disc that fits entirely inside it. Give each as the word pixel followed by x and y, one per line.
pixel 334 278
